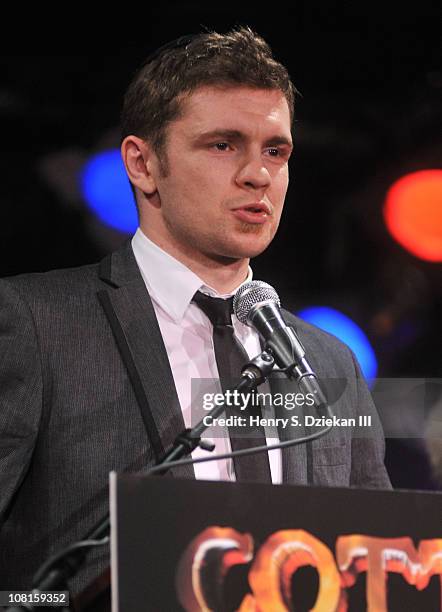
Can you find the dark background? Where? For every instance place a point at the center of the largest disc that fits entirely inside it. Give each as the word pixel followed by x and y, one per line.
pixel 370 111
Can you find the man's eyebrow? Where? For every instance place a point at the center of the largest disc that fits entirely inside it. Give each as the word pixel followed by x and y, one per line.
pixel 279 140
pixel 220 133
pixel 237 135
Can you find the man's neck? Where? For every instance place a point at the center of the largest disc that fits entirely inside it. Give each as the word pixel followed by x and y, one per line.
pixel 224 278
pixel 222 274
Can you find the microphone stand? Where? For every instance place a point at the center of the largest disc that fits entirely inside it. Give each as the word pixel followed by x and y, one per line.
pixel 57 570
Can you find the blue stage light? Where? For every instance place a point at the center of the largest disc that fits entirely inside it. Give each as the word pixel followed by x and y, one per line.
pixel 106 190
pixel 345 329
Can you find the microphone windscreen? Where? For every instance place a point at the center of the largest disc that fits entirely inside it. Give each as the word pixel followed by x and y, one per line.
pixel 250 294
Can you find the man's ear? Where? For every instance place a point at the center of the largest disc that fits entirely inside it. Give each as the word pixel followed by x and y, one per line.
pixel 138 158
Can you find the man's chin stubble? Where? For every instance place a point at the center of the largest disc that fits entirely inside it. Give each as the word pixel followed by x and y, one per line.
pixel 250 228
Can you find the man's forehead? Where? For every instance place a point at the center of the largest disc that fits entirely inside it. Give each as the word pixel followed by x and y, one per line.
pixel 234 108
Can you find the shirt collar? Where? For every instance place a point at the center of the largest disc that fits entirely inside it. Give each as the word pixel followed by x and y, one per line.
pixel 169 282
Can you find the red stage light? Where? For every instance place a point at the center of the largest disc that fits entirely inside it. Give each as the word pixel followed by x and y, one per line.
pixel 413 213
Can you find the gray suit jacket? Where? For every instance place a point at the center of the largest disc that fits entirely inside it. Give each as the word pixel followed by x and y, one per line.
pixel 86 388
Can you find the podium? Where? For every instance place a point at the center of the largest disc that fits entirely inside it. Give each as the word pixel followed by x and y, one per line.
pixel 184 545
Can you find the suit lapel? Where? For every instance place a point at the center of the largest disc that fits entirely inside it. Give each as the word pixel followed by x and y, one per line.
pixel 294 458
pixel 130 312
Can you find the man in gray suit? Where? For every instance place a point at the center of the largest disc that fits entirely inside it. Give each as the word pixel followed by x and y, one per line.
pixel 96 362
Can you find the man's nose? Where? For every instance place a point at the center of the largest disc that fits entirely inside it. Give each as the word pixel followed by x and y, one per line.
pixel 253 173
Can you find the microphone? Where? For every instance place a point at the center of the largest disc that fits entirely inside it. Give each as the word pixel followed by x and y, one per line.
pixel 257 305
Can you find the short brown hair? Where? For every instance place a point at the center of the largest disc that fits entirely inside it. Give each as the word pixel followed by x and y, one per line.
pixel 238 58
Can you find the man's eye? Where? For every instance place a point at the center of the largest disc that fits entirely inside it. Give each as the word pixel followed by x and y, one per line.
pixel 221 146
pixel 274 152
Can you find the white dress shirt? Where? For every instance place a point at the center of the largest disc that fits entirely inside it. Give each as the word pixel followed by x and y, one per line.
pixel 188 337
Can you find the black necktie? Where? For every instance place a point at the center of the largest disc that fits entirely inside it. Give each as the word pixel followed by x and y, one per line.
pixel 230 358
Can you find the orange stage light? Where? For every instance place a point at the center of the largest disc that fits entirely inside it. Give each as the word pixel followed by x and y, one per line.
pixel 413 213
